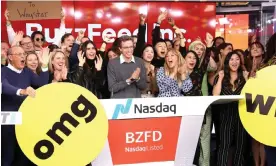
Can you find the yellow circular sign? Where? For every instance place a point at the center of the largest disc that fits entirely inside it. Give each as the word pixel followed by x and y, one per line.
pixel 258 110
pixel 65 124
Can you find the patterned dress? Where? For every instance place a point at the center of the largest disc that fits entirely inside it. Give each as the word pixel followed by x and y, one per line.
pixel 168 87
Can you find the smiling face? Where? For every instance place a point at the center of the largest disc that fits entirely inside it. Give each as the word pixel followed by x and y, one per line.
pixel 234 62
pixel 127 48
pixel 148 54
pixel 38 40
pixel 90 51
pixel 190 60
pixel 32 62
pixel 161 49
pixel 27 44
pixel 199 49
pixel 58 61
pixel 171 60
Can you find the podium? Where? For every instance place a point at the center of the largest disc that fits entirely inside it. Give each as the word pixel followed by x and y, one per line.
pixel 155 131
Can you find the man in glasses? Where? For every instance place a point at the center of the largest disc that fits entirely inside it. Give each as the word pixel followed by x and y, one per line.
pixel 126 73
pixel 27 43
pixel 16 85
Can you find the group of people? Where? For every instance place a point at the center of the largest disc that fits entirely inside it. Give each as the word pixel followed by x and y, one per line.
pixel 132 68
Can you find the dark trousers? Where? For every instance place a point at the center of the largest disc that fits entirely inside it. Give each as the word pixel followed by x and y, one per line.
pixel 215 120
pixel 231 133
pixel 12 154
pixel 270 153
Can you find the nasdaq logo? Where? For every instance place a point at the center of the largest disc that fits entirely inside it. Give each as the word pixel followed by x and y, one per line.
pixel 121 108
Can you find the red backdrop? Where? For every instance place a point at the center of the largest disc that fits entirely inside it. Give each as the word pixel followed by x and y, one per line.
pixel 195 18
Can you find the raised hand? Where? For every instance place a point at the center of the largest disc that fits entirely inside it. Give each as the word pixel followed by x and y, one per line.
pixel 62 15
pixel 136 73
pixel 253 74
pixel 171 21
pixel 198 39
pixel 142 19
pixel 80 35
pixel 178 33
pixel 64 73
pixel 81 58
pixel 18 36
pixel 245 75
pixel 44 57
pixel 98 62
pixel 57 76
pixel 221 74
pixel 183 68
pixel 209 40
pixel 107 39
pixel 162 16
pixel 7 15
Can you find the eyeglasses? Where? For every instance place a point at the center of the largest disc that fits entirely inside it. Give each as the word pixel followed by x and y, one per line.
pixel 20 54
pixel 126 48
pixel 40 39
pixel 26 44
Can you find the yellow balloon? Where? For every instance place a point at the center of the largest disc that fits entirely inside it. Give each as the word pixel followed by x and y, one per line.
pixel 258 110
pixel 65 124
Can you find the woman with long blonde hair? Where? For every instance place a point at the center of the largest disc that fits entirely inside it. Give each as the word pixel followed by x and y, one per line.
pixel 58 67
pixel 173 79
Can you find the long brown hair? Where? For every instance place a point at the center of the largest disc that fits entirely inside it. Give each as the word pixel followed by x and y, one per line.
pixel 227 76
pixel 38 69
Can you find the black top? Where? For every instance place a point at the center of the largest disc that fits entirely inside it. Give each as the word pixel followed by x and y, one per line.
pixel 225 90
pixel 198 74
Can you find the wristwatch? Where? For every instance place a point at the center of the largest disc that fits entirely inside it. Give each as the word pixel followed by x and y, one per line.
pixel 128 82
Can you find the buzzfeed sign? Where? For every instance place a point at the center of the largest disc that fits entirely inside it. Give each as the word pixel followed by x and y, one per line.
pixel 94 30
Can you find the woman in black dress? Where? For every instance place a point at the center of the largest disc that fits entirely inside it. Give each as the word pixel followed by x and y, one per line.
pixel 230 81
pixel 197 68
